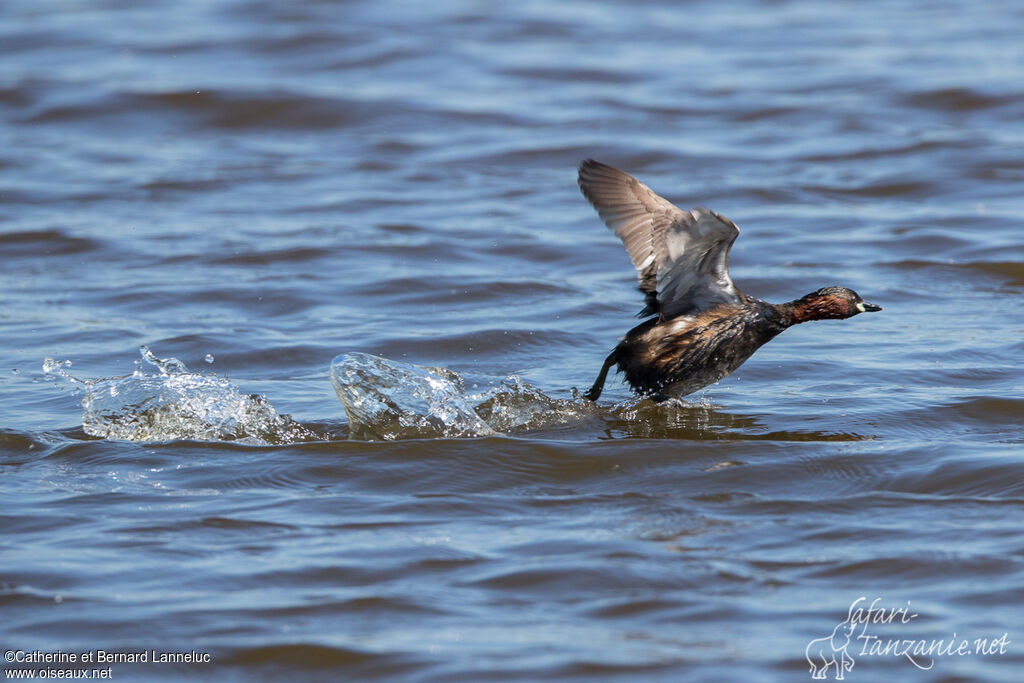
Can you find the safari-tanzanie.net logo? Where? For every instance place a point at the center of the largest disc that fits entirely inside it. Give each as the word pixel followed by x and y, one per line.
pixel 874 630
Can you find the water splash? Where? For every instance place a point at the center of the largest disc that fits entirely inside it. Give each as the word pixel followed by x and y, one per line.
pixel 162 400
pixel 388 399
pixel 174 403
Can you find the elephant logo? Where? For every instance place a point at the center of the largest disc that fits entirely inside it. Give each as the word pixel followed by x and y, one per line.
pixel 823 653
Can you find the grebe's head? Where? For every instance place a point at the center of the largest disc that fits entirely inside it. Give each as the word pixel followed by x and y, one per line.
pixel 831 303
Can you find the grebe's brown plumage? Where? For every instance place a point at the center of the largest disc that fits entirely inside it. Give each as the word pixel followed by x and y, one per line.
pixel 705 326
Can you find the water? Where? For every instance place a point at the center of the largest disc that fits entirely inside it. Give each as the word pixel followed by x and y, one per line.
pixel 254 189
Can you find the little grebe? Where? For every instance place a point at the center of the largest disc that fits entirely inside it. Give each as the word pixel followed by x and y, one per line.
pixel 705 327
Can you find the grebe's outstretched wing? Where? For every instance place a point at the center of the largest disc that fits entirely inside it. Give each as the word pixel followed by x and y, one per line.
pixel 681 257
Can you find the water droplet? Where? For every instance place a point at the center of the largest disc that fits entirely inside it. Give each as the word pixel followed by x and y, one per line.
pixel 208 358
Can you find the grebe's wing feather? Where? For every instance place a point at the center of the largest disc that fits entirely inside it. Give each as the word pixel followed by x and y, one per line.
pixel 694 274
pixel 681 257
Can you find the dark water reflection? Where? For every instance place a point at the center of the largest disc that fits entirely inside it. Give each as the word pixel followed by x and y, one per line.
pixel 275 184
pixel 698 422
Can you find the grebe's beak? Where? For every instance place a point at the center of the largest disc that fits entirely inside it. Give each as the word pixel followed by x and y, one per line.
pixel 865 307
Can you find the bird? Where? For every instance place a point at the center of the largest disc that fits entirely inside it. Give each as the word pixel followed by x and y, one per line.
pixel 700 327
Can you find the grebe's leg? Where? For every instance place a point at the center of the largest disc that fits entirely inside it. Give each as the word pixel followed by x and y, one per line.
pixel 595 391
